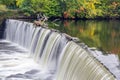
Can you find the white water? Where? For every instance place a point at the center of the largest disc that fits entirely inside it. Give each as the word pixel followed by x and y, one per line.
pixel 47 55
pixel 15 63
pixel 77 64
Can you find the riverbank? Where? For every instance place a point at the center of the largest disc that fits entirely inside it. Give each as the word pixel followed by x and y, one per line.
pixel 16 14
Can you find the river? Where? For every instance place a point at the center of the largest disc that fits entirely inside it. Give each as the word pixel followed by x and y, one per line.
pixel 102 34
pixel 49 49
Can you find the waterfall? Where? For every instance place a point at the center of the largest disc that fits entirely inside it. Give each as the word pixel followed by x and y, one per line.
pixel 57 57
pixel 77 64
pixel 19 34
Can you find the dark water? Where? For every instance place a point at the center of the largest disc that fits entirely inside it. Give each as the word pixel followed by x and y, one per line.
pixel 104 35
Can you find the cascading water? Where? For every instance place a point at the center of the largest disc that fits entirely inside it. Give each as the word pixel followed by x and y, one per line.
pixel 77 64
pixel 46 55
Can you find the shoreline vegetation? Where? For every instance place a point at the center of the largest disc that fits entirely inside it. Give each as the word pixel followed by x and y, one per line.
pixel 61 9
pixel 14 14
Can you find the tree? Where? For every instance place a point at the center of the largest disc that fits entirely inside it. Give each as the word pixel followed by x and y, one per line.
pixel 9 3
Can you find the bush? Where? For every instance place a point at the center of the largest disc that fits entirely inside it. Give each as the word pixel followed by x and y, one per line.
pixel 3 8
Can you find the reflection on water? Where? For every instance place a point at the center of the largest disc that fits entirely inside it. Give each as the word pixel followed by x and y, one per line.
pixel 104 35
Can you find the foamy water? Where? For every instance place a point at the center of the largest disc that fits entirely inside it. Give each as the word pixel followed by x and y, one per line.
pixel 15 64
pixel 37 53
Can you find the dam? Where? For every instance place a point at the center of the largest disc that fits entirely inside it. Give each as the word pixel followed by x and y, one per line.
pixel 28 52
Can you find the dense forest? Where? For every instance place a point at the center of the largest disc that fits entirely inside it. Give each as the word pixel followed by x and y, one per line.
pixel 69 9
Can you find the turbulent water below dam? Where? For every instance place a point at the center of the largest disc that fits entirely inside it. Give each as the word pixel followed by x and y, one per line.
pixel 36 53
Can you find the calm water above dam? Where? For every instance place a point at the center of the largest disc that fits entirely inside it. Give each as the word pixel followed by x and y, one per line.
pixel 105 35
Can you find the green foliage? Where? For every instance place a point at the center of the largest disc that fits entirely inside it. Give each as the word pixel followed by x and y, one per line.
pixel 19 3
pixel 67 8
pixel 25 6
pixel 49 7
pixel 9 3
pixel 3 8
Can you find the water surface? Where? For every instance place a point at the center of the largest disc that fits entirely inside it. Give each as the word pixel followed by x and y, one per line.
pixel 104 35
